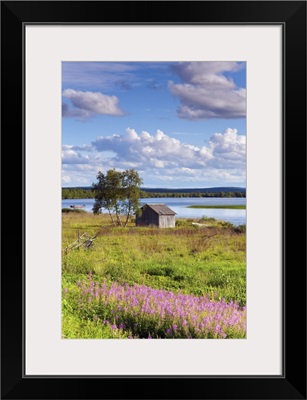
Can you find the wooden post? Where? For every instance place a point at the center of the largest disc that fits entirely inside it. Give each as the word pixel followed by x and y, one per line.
pixel 78 238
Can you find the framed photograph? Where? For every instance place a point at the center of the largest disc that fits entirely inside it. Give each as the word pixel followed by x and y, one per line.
pixel 160 150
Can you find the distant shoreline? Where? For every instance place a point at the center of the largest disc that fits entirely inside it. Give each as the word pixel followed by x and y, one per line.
pixel 233 207
pixel 227 192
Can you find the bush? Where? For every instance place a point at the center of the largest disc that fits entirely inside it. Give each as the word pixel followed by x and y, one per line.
pixel 240 229
pixel 208 219
pixel 184 222
pixel 74 210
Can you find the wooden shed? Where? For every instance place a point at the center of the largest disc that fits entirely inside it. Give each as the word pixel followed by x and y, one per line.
pixel 159 215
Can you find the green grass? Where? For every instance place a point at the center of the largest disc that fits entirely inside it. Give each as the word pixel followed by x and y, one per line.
pixel 190 259
pixel 231 207
pixel 74 327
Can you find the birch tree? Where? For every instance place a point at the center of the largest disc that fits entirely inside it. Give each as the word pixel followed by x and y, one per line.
pixel 118 192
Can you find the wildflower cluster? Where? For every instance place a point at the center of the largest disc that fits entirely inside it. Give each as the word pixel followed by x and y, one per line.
pixel 143 312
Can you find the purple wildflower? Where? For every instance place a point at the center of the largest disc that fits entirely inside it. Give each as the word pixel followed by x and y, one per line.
pixel 140 309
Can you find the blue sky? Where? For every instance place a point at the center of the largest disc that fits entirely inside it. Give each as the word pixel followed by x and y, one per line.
pixel 179 124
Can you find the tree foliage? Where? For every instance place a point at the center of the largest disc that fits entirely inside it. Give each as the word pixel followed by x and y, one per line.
pixel 77 193
pixel 118 192
pixel 88 193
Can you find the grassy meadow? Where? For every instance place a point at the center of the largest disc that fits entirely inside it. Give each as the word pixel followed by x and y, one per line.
pixel 144 282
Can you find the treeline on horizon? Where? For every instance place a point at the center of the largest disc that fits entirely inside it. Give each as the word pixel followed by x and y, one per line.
pixel 88 193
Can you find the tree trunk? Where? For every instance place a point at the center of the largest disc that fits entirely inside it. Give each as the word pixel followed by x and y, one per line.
pixel 119 221
pixel 127 219
pixel 111 216
pixel 128 215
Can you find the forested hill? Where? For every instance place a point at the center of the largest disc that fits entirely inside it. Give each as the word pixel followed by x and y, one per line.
pixel 87 192
pixel 198 190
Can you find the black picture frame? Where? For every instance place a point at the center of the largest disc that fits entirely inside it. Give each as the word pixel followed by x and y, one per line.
pixel 292 383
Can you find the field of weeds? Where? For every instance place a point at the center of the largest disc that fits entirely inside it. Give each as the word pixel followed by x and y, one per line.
pixel 139 282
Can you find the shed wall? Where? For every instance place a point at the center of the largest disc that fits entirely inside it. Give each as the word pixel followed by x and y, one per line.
pixel 148 217
pixel 166 221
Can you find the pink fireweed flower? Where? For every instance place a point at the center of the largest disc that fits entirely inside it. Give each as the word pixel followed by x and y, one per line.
pixel 140 309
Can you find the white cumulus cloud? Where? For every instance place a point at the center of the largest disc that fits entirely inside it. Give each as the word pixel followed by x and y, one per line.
pixel 160 157
pixel 66 178
pixel 228 149
pixel 205 92
pixel 225 150
pixel 87 104
pixel 70 156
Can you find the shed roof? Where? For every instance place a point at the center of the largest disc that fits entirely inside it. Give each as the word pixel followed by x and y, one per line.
pixel 161 209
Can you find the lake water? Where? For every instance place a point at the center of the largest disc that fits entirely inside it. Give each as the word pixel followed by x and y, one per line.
pixel 180 204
